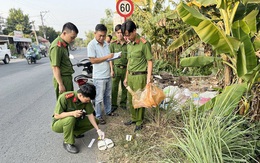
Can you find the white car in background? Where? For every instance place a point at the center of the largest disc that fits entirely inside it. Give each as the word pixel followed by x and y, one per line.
pixel 5 54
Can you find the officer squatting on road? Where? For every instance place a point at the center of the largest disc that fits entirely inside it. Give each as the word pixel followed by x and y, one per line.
pixel 139 68
pixel 69 116
pixel 60 61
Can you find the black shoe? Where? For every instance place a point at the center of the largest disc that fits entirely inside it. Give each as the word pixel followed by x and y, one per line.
pixel 113 109
pixel 71 148
pixel 137 128
pixel 129 123
pixel 101 121
pixel 79 136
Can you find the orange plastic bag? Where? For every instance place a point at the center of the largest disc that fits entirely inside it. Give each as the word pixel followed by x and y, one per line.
pixel 157 94
pixel 150 97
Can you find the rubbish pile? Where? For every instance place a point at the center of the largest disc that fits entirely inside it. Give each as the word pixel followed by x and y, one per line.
pixel 181 89
pixel 175 97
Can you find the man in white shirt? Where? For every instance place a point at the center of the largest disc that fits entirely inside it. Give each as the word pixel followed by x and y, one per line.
pixel 99 53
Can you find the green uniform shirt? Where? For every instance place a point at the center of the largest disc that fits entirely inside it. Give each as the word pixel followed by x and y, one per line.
pixel 59 56
pixel 69 101
pixel 117 47
pixel 139 52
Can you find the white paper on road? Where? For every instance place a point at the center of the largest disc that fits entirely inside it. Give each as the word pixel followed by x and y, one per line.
pixel 91 143
pixel 116 56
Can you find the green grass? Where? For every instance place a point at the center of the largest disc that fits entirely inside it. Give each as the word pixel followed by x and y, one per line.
pixel 207 137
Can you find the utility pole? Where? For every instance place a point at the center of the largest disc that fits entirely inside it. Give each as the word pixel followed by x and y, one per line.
pixel 43 28
pixel 2 24
pixel 35 35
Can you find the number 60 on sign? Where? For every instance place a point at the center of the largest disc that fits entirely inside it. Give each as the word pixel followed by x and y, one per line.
pixel 125 8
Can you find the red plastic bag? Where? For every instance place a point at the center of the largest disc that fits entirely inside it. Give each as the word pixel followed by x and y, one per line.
pixel 150 97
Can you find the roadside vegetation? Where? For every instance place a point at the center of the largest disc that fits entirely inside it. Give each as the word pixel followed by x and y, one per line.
pixel 218 39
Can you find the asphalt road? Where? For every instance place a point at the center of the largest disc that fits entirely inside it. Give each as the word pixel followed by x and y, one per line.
pixel 27 103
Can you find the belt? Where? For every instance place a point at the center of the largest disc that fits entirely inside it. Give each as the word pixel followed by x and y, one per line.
pixel 137 73
pixel 120 66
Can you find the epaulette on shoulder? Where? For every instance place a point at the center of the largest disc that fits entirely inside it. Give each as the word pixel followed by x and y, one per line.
pixel 69 95
pixel 61 44
pixel 143 40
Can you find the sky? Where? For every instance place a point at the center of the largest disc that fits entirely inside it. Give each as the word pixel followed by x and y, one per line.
pixel 85 14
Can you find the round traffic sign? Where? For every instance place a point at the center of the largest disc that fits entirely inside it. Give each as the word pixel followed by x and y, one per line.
pixel 125 8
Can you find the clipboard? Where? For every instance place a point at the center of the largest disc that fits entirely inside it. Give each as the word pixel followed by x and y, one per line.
pixel 116 56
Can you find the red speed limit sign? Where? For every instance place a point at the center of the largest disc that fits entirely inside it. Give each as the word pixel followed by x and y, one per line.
pixel 125 8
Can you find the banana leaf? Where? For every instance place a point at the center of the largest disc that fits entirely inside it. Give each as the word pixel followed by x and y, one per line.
pixel 206 2
pixel 198 61
pixel 184 38
pixel 228 100
pixel 246 58
pixel 251 1
pixel 208 105
pixel 257 42
pixel 208 31
pixel 250 20
pixel 190 49
pixel 172 15
pixel 252 74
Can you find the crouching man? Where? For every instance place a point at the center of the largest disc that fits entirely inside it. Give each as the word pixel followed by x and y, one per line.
pixel 69 116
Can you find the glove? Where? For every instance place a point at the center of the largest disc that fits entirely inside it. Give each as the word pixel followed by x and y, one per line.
pixel 101 134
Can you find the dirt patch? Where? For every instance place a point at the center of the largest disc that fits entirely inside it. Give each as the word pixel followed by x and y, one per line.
pixel 193 83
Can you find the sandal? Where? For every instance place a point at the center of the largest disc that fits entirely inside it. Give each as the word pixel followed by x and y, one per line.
pixel 102 145
pixel 109 143
pixel 113 114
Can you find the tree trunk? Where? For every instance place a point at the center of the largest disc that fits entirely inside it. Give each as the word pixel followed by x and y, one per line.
pixel 227 71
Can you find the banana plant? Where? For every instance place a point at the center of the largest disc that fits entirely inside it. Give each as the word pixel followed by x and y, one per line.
pixel 234 35
pixel 237 38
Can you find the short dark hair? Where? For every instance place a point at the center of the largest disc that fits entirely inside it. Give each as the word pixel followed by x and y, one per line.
pixel 70 26
pixel 110 36
pixel 88 90
pixel 118 27
pixel 129 26
pixel 101 27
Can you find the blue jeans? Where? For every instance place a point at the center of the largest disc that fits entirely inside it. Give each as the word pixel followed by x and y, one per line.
pixel 103 96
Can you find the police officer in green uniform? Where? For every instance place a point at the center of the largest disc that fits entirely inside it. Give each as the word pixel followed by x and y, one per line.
pixel 69 116
pixel 60 61
pixel 118 69
pixel 139 68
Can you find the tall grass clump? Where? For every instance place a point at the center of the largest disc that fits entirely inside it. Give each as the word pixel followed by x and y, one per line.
pixel 217 136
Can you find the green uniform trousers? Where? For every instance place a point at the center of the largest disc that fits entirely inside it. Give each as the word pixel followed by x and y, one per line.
pixel 70 127
pixel 67 81
pixel 136 82
pixel 119 77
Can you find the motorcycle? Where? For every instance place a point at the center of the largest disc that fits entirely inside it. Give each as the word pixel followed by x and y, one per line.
pixel 86 75
pixel 32 56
